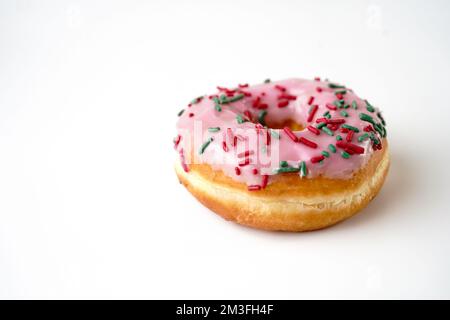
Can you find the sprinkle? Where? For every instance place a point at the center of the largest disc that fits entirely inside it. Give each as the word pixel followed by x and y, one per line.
pixel 287 96
pixel 303 169
pixel 317 159
pixel 243 85
pixel 191 115
pixel 196 100
pixel 317 79
pixel 345 155
pixel 338 103
pixel 344 113
pixel 244 163
pixel 346 106
pixel 327 131
pixel 290 134
pixel 248 115
pixel 214 129
pixel 240 119
pixel 283 103
pixel 373 138
pixel 330 106
pixel 354 105
pixel 335 121
pixel 237 170
pixel 205 145
pixel 245 154
pixel 275 134
pixel 363 137
pixel 268 139
pixel 265 180
pixel 341 92
pixel 255 171
pixel 254 187
pixel 235 139
pixel 326 113
pixel 349 127
pixel 224 146
pixel 284 164
pixel 325 153
pixel 230 134
pixel 181 112
pixel 281 88
pixel 218 107
pixel 350 147
pixel 332 148
pixel 267 81
pixel 183 161
pixel 319 120
pixel 313 130
pixel 340 96
pixel 256 102
pixel 176 141
pixel 287 170
pixel 312 112
pixel 349 136
pixel 319 89
pixel 310 100
pixel 338 137
pixel 321 125
pixel 368 128
pixel 261 116
pixel 233 99
pixel 378 127
pixel 263 106
pixel 335 86
pixel 367 118
pixel 381 118
pixel 369 107
pixel 308 143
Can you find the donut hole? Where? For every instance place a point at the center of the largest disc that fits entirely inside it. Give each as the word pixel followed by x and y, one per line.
pixel 294 126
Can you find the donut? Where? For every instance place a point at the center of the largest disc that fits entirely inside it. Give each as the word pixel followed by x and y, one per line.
pixel 291 155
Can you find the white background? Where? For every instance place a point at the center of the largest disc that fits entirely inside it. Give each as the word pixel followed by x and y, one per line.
pixel 90 206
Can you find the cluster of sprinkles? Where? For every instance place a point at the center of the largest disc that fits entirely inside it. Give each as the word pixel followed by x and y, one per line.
pixel 254 108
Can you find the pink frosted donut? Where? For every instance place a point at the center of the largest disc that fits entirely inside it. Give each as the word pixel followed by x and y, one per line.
pixel 289 155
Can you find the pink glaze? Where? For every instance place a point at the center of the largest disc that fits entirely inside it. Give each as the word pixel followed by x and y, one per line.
pixel 298 100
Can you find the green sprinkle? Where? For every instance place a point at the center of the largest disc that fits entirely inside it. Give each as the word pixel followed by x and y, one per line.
pixel 196 100
pixel 341 92
pixel 369 107
pixel 381 118
pixel 363 137
pixel 218 107
pixel 344 113
pixel 345 155
pixel 335 86
pixel 284 164
pixel 321 125
pixel 338 103
pixel 325 153
pixel 303 169
pixel 332 148
pixel 338 137
pixel 240 119
pixel 346 106
pixel 205 145
pixel 349 127
pixel 181 112
pixel 222 98
pixel 214 129
pixel 232 99
pixel 326 114
pixel 367 118
pixel 354 105
pixel 267 81
pixel 327 131
pixel 379 128
pixel 373 138
pixel 274 134
pixel 261 116
pixel 287 170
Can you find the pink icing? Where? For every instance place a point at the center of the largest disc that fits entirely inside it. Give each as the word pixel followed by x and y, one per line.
pixel 297 100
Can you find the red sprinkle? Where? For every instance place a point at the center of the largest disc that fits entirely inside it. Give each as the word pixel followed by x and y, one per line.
pixel 248 115
pixel 245 154
pixel 333 127
pixel 255 171
pixel 263 106
pixel 340 96
pixel 268 139
pixel 308 143
pixel 319 120
pixel 245 93
pixel 290 134
pixel 283 103
pixel 224 146
pixel 191 115
pixel 317 159
pixel 312 112
pixel 237 170
pixel 265 179
pixel 317 79
pixel 281 88
pixel 244 163
pixel 319 89
pixel 254 187
pixel 344 130
pixel 176 141
pixel 256 102
pixel 368 128
pixel 331 106
pixel 235 139
pixel 183 161
pixel 243 85
pixel 310 100
pixel 350 136
pixel 350 147
pixel 313 130
pixel 335 121
pixel 230 135
pixel 287 96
